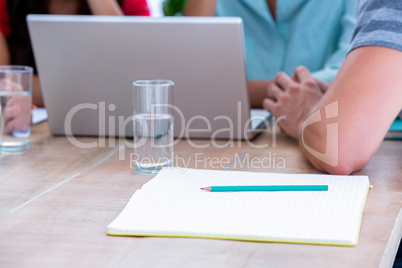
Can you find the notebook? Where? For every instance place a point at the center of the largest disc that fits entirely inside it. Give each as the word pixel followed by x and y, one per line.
pixel 173 205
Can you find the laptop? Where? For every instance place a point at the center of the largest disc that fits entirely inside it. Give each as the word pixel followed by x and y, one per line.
pixel 86 66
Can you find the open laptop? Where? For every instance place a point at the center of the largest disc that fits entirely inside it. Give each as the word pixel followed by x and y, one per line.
pixel 87 64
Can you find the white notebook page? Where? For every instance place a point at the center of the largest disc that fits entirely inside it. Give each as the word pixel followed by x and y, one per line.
pixel 172 204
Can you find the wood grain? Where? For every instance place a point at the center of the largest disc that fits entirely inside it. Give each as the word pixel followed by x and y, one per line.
pixel 57 199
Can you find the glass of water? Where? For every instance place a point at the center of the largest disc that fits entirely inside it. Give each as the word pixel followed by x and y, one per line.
pixel 153 125
pixel 15 108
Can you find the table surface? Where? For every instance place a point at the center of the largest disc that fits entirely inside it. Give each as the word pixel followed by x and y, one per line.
pixel 57 199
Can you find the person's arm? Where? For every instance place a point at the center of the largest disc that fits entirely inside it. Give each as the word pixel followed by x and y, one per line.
pixel 16 109
pixel 4 52
pixel 258 92
pixel 334 61
pixel 5 60
pixel 369 96
pixel 37 98
pixel 200 8
pixel 258 89
pixel 105 7
pixel 291 99
pixel 354 114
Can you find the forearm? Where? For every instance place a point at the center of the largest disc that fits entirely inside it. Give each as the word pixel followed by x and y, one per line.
pixel 200 8
pixel 37 92
pixel 5 60
pixel 363 100
pixel 257 92
pixel 4 52
pixel 104 7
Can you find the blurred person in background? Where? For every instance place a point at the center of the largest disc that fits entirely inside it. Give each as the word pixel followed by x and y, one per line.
pixel 15 44
pixel 281 35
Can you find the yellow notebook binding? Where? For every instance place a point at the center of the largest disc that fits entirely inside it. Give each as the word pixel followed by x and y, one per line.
pixel 172 205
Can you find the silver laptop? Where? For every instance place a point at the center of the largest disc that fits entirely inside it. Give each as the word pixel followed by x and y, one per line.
pixel 86 66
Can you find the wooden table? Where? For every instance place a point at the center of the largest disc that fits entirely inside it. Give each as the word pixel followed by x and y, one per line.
pixel 57 199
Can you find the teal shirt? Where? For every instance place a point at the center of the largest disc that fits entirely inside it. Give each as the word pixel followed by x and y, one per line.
pixel 313 33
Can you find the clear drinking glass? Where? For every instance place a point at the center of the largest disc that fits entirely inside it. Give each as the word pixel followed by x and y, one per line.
pixel 15 108
pixel 153 125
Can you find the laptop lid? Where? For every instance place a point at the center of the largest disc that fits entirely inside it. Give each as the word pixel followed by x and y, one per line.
pixel 87 64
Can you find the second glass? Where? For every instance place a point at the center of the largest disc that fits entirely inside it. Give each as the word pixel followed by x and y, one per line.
pixel 15 108
pixel 153 125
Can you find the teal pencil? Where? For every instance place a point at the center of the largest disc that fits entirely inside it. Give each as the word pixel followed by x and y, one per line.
pixel 255 188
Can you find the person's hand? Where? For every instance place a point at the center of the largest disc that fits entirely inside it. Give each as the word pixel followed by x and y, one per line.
pixel 323 85
pixel 17 111
pixel 291 100
pixel 17 114
pixel 105 7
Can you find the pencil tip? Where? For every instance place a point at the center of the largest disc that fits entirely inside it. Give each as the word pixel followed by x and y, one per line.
pixel 202 188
